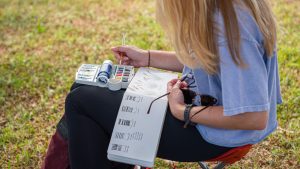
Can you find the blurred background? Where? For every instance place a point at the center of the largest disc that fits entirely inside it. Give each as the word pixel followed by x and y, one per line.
pixel 43 42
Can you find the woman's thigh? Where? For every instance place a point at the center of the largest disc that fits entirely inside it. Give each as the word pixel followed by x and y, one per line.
pixel 176 143
pixel 99 104
pixel 185 144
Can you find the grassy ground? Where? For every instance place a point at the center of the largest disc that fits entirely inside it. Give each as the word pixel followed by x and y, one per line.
pixel 42 42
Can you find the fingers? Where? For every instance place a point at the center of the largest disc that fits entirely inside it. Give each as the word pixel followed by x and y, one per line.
pixel 121 53
pixel 117 55
pixel 119 49
pixel 171 84
pixel 173 81
pixel 126 62
pixel 124 59
pixel 183 84
pixel 118 52
pixel 175 84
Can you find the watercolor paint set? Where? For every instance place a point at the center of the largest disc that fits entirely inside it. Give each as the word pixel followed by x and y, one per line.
pixel 114 77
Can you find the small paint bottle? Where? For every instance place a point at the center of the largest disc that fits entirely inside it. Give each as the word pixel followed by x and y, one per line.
pixel 105 71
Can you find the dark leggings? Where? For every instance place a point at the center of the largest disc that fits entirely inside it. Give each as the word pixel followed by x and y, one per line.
pixel 91 113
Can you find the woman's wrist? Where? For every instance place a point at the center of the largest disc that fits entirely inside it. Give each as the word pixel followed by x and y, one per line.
pixel 179 111
pixel 145 55
pixel 165 60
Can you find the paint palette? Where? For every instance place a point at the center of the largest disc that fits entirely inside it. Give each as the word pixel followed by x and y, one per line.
pixel 119 77
pixel 122 73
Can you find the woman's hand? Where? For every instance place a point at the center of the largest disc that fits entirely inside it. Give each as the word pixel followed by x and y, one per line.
pixel 131 55
pixel 176 98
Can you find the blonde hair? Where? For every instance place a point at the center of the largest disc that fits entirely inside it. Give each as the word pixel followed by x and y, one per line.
pixel 192 30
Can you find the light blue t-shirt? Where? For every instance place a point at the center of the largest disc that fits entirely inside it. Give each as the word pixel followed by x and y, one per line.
pixel 239 90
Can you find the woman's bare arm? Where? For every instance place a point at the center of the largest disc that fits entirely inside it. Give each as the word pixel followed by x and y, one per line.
pixel 165 60
pixel 214 117
pixel 131 55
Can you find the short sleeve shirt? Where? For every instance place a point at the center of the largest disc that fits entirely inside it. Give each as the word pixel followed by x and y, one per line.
pixel 254 88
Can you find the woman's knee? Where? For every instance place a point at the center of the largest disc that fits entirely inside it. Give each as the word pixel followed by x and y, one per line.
pixel 93 99
pixel 75 85
pixel 73 95
pixel 72 102
pixel 83 96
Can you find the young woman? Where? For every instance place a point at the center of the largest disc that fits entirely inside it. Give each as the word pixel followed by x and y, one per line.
pixel 228 50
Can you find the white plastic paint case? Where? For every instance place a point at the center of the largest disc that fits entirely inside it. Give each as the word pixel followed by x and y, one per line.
pixel 120 76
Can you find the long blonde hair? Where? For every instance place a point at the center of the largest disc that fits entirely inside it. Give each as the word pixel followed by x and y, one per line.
pixel 192 30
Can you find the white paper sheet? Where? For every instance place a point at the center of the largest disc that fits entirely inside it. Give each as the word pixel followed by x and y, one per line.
pixel 136 134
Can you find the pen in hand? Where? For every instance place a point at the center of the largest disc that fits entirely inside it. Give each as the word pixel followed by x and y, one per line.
pixel 123 44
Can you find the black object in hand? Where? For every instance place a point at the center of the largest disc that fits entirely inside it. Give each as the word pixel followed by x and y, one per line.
pixel 205 100
pixel 188 95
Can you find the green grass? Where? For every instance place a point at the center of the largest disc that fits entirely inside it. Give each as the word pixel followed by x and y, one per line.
pixel 42 43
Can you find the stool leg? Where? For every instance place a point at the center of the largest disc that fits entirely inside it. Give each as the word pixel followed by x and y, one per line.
pixel 220 165
pixel 203 165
